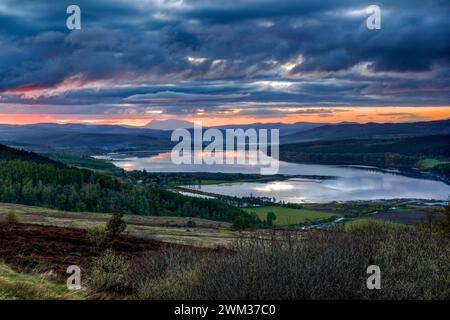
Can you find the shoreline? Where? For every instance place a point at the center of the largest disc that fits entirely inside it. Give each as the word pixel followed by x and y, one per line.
pixel 408 172
pixel 405 200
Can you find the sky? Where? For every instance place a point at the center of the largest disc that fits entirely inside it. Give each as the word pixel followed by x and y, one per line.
pixel 223 61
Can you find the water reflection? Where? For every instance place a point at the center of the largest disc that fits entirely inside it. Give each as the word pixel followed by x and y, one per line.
pixel 347 183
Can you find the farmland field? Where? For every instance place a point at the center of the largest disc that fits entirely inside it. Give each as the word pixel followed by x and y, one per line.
pixel 290 216
pixel 364 222
pixel 430 163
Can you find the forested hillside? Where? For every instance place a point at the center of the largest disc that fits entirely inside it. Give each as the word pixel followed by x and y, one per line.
pixel 437 145
pixel 403 153
pixel 7 153
pixel 36 180
pixel 371 131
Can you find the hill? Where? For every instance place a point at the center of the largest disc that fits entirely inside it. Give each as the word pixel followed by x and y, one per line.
pixel 171 124
pixel 436 145
pixel 7 153
pixel 75 138
pixel 285 128
pixel 370 131
pixel 33 180
pixel 94 139
pixel 424 152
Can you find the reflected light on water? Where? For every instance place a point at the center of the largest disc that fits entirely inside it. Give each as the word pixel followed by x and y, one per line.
pixel 128 166
pixel 340 183
pixel 276 186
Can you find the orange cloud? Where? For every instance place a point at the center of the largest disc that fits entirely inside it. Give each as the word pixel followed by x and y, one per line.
pixel 337 114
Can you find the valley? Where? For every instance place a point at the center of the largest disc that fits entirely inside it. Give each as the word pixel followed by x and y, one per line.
pixel 57 205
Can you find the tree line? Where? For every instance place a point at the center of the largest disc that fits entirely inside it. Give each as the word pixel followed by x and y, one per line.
pixel 57 186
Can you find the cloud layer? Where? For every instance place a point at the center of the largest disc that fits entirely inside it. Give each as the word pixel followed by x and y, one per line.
pixel 221 57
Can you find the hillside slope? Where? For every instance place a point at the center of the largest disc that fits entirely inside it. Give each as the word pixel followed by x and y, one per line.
pixel 371 131
pixel 436 145
pixel 84 138
pixel 34 180
pixel 7 153
pixel 399 153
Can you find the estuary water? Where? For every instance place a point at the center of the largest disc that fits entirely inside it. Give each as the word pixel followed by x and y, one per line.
pixel 340 183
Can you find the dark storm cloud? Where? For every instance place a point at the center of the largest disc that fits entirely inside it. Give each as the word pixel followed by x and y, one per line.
pixel 183 55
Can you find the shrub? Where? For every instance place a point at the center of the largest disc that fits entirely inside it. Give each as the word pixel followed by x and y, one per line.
pixel 97 235
pixel 240 223
pixel 271 217
pixel 316 264
pixel 444 224
pixel 12 217
pixel 110 273
pixel 331 265
pixel 191 224
pixel 157 265
pixel 177 285
pixel 116 225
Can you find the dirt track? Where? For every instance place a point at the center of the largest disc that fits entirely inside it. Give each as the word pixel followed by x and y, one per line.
pixel 40 248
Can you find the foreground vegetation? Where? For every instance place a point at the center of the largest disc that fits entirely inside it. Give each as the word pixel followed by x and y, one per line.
pixel 22 286
pixel 315 264
pixel 181 230
pixel 310 265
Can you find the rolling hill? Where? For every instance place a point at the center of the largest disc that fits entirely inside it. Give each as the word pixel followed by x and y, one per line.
pixel 30 179
pixel 436 145
pixel 82 138
pixel 370 131
pixel 7 153
pixel 422 152
pixel 94 139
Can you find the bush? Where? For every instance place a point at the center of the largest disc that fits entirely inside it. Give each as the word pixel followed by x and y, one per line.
pixel 191 224
pixel 271 217
pixel 289 265
pixel 444 224
pixel 97 235
pixel 332 265
pixel 12 217
pixel 176 285
pixel 157 270
pixel 240 223
pixel 110 273
pixel 116 225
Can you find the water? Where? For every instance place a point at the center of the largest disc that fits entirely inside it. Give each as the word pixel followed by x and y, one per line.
pixel 343 183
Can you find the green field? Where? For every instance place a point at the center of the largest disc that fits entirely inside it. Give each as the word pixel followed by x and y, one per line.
pixel 430 163
pixel 359 223
pixel 290 216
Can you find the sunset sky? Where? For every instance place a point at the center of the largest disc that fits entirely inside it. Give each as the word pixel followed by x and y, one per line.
pixel 223 61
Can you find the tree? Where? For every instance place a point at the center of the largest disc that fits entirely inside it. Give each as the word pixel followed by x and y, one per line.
pixel 116 225
pixel 240 223
pixel 430 219
pixel 12 217
pixel 445 223
pixel 271 217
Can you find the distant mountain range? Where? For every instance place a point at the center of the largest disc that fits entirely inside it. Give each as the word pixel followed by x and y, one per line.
pixel 81 138
pixel 171 124
pixel 285 128
pixel 104 138
pixel 370 131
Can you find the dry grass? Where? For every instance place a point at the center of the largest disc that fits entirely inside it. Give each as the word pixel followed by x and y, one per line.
pixel 312 265
pixel 206 233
